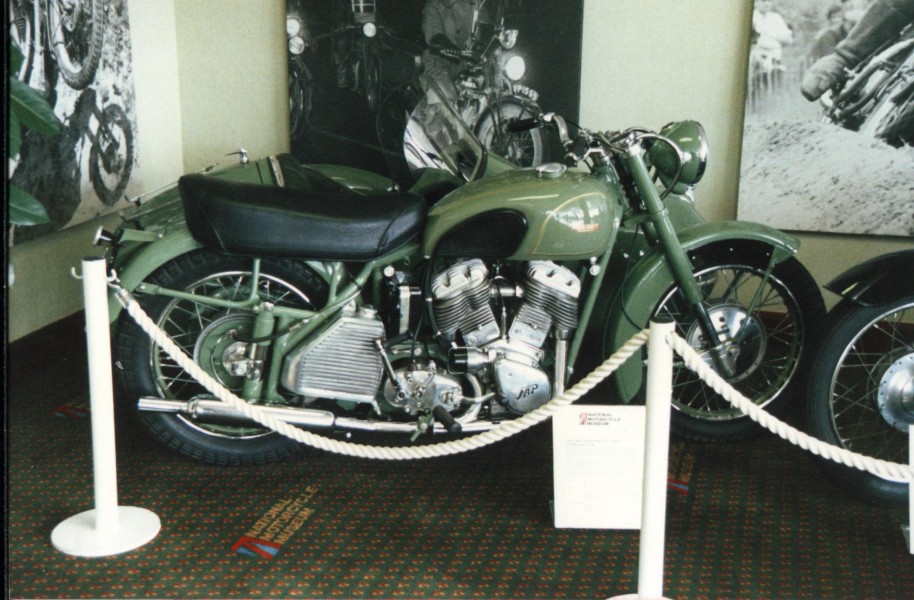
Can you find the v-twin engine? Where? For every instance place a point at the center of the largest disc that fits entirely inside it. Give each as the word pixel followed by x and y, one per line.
pixel 499 329
pixel 504 327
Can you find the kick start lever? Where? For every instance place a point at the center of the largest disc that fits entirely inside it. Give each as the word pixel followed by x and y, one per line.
pixel 444 417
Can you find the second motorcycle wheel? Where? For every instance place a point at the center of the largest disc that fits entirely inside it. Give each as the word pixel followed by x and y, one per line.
pixel 211 336
pixel 765 321
pixel 861 392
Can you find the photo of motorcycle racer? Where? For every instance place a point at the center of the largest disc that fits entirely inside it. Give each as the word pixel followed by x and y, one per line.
pixel 881 21
pixel 840 127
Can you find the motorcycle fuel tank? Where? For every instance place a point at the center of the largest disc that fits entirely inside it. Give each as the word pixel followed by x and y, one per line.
pixel 544 212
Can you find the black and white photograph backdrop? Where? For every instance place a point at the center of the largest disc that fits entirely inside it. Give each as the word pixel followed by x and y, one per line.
pixel 78 56
pixel 842 162
pixel 356 69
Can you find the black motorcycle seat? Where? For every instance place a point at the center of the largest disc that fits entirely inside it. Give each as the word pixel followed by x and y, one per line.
pixel 262 220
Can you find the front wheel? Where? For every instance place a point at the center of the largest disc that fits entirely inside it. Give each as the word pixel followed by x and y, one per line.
pixel 861 392
pixel 525 148
pixel 764 320
pixel 213 337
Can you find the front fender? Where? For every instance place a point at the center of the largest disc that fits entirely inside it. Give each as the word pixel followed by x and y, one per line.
pixel 650 278
pixel 877 281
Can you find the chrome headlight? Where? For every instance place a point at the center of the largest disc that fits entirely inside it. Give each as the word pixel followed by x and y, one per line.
pixel 507 38
pixel 689 149
pixel 369 29
pixel 515 67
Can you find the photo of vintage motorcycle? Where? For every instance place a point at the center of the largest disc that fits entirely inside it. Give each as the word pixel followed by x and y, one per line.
pixel 75 55
pixel 860 381
pixel 345 306
pixel 364 58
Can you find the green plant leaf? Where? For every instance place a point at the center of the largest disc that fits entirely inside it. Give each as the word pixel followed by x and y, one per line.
pixel 15 136
pixel 32 109
pixel 16 58
pixel 25 209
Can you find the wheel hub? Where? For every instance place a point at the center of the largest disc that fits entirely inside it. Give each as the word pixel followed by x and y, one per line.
pixel 743 338
pixel 219 351
pixel 895 396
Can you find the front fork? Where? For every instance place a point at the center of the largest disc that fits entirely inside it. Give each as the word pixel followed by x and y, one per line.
pixel 678 260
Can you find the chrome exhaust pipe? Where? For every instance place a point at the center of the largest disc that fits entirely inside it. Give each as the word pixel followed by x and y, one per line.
pixel 210 410
pixel 214 411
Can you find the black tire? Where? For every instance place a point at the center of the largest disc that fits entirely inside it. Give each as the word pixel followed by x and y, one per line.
pixel 144 370
pixel 858 393
pixel 525 149
pixel 111 156
pixel 76 39
pixel 771 338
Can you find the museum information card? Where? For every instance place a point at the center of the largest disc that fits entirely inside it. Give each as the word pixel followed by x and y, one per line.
pixel 598 455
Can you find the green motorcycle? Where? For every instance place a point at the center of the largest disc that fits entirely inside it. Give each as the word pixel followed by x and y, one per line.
pixel 344 305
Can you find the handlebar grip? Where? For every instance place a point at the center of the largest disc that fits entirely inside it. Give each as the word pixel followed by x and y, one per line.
pixel 520 125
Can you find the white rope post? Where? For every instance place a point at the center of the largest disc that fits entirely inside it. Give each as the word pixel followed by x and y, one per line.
pixel 108 528
pixel 656 458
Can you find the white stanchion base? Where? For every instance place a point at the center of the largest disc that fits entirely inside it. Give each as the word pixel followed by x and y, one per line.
pixel 77 535
pixel 637 597
pixel 907 538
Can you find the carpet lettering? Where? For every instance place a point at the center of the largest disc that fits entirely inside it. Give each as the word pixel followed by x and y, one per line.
pixel 681 465
pixel 276 526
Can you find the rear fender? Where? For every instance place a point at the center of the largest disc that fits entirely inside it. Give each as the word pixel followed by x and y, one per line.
pixel 650 278
pixel 144 261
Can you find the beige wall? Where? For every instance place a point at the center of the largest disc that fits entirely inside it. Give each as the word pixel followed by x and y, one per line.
pixel 210 78
pixel 232 71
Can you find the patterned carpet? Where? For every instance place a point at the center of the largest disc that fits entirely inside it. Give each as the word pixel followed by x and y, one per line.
pixel 753 519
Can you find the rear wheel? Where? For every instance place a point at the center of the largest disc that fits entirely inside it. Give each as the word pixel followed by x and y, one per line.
pixel 211 336
pixel 861 393
pixel 765 322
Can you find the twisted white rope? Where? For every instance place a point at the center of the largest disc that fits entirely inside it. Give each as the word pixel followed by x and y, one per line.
pixel 878 467
pixel 502 431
